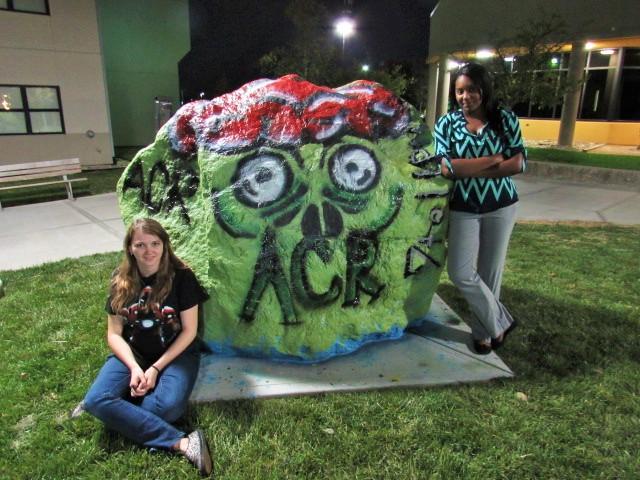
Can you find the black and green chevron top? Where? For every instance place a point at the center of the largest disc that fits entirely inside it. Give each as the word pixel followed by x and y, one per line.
pixel 453 140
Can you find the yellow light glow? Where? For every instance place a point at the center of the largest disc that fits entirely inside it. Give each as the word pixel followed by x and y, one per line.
pixel 6 103
pixel 589 45
pixel 484 54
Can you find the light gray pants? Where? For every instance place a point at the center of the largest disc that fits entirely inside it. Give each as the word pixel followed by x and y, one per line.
pixel 477 251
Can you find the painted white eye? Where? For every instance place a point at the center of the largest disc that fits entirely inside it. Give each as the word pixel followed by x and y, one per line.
pixel 262 180
pixel 147 323
pixel 354 169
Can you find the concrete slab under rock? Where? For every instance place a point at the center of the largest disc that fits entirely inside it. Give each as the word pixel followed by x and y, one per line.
pixel 437 353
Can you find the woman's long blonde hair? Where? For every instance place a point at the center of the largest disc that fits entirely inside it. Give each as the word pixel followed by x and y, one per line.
pixel 126 283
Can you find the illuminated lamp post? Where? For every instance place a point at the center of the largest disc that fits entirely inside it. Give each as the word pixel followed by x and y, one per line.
pixel 345 27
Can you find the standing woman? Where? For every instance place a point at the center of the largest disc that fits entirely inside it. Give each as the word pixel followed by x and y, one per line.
pixel 152 330
pixel 481 147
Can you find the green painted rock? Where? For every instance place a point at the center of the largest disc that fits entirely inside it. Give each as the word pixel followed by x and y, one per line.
pixel 315 217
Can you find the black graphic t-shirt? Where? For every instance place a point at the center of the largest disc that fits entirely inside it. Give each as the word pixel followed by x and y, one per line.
pixel 151 328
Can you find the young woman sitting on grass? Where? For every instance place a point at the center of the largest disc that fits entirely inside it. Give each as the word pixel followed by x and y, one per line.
pixel 152 330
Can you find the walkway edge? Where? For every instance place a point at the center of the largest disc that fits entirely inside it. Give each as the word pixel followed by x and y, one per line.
pixel 630 179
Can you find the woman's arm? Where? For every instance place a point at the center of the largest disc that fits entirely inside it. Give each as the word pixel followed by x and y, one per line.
pixel 506 168
pixel 470 167
pixel 189 331
pixel 122 350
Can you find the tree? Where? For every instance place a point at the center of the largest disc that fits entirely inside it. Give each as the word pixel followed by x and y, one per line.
pixel 529 76
pixel 394 77
pixel 310 53
pixel 313 53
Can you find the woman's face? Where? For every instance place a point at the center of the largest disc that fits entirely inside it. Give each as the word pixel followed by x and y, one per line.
pixel 468 95
pixel 147 250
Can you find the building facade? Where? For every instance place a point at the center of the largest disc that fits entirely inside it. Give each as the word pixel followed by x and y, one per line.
pixel 53 101
pixel 606 34
pixel 80 76
pixel 142 43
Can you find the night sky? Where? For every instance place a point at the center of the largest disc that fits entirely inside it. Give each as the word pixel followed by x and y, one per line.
pixel 229 36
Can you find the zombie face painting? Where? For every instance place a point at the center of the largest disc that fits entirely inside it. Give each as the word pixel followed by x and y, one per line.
pixel 315 217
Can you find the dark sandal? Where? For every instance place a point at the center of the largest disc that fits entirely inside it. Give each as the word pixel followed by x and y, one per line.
pixel 481 348
pixel 495 343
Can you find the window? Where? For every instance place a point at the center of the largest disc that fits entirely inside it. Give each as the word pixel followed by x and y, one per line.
pixel 629 98
pixel 594 104
pixel 609 90
pixel 26 6
pixel 30 110
pixel 630 101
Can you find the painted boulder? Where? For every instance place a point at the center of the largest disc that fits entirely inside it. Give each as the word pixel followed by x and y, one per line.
pixel 315 217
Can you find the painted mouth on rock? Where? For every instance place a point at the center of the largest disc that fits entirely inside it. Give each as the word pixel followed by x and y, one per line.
pixel 225 219
pixel 285 203
pixel 285 211
pixel 347 202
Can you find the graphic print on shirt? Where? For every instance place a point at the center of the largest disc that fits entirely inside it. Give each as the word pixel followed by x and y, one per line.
pixel 150 328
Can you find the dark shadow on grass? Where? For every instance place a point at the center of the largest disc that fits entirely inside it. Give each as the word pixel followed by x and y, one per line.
pixel 240 412
pixel 559 338
pixel 112 442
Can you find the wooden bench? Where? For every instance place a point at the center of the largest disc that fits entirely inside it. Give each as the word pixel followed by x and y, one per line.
pixel 45 169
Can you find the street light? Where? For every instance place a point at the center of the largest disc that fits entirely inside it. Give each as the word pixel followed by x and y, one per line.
pixel 345 27
pixel 365 68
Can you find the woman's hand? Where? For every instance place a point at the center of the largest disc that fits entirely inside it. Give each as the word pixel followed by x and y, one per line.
pixel 151 375
pixel 470 167
pixel 138 383
pixel 444 169
pixel 506 168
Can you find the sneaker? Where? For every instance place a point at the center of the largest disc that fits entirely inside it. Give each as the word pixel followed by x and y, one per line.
pixel 77 411
pixel 197 452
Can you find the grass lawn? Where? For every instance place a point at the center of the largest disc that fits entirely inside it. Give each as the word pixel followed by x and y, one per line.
pixel 572 411
pixel 604 160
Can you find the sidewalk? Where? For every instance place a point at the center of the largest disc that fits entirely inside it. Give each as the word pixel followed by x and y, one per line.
pixel 51 231
pixel 556 201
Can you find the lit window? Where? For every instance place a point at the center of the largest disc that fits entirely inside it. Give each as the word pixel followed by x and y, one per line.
pixel 30 110
pixel 26 6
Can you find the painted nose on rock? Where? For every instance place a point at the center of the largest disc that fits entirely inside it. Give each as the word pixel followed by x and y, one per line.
pixel 312 225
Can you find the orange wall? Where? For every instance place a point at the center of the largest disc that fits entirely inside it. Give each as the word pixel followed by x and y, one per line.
pixel 614 133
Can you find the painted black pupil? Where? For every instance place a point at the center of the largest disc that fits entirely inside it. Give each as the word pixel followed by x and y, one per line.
pixel 364 178
pixel 247 186
pixel 264 175
pixel 352 167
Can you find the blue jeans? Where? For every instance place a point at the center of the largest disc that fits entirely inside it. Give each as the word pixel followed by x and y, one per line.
pixel 148 423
